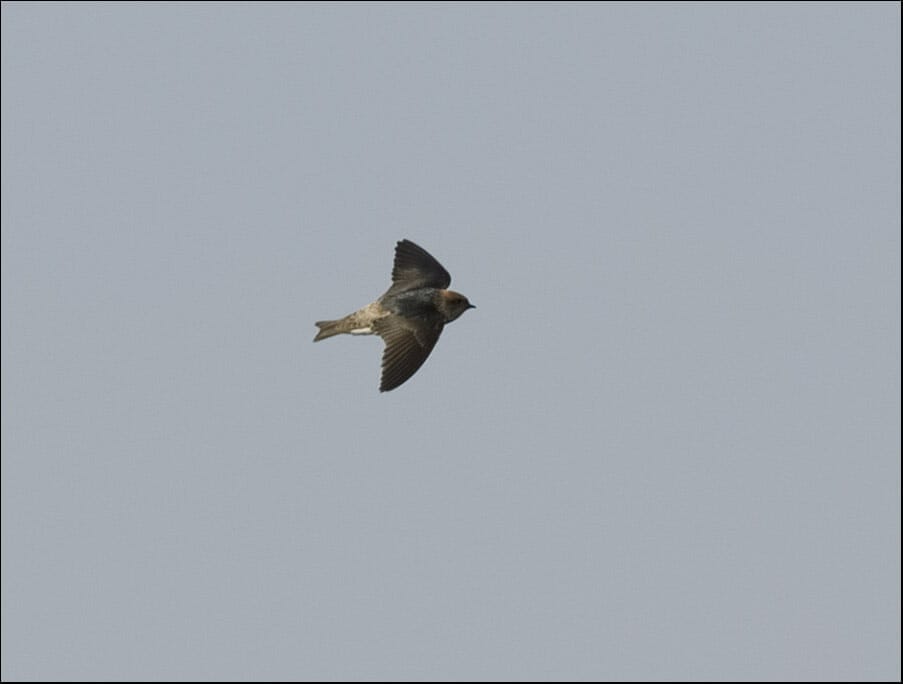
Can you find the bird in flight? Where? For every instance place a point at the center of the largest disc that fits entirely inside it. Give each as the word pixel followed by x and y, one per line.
pixel 409 316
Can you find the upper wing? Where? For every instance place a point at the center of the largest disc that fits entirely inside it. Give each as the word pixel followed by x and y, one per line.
pixel 408 344
pixel 415 267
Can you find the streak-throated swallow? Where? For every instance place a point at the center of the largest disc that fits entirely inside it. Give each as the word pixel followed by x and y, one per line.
pixel 409 316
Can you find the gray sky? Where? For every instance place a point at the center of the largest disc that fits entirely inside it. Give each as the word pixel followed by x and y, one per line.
pixel 666 445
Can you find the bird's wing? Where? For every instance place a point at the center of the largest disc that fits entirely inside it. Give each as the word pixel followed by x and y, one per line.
pixel 415 267
pixel 408 344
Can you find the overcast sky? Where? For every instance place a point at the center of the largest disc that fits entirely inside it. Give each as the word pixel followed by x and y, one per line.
pixel 666 445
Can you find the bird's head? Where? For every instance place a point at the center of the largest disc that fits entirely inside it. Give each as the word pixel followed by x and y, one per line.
pixel 453 304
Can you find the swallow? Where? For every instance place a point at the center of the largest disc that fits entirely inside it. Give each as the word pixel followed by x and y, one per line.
pixel 409 317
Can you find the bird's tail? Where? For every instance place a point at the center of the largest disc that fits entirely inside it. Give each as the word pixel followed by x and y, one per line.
pixel 329 328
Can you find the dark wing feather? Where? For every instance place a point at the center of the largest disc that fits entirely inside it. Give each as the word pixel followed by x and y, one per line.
pixel 415 267
pixel 408 345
